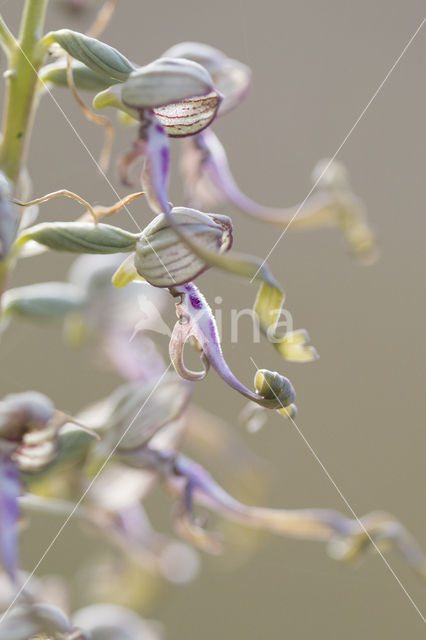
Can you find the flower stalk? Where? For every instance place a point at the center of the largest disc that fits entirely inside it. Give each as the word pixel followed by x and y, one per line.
pixel 25 63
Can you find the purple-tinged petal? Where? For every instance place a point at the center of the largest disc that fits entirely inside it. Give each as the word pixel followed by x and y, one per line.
pixel 332 203
pixel 10 486
pixel 155 175
pixel 193 485
pixel 347 538
pixel 196 321
pixel 217 180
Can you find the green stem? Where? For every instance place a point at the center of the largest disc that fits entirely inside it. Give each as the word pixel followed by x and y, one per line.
pixel 25 62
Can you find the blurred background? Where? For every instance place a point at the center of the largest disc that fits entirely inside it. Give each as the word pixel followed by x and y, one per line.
pixel 362 405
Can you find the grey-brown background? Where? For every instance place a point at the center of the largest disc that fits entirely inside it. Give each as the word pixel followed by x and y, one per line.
pixel 362 405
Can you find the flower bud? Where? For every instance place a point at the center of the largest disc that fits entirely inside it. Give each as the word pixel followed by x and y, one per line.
pixel 9 218
pixel 164 260
pixel 161 408
pixel 80 237
pixel 22 412
pixel 230 77
pixel 43 301
pixel 113 622
pixel 165 81
pixel 29 431
pixel 272 385
pixel 97 55
pixel 84 78
pixel 34 620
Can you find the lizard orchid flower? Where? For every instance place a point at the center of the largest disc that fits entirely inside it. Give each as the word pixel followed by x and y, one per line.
pixel 209 183
pixel 231 77
pixel 169 97
pixel 196 321
pixel 164 260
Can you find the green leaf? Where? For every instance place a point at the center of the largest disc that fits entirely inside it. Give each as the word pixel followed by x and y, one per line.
pixel 80 237
pixel 84 78
pixel 43 301
pixel 97 55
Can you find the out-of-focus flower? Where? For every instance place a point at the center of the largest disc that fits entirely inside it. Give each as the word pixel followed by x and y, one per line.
pixel 29 442
pixel 120 418
pixel 221 448
pixel 28 621
pixel 108 311
pixel 42 301
pixel 347 538
pixel 111 622
pixel 118 319
pixel 96 622
pixel 29 427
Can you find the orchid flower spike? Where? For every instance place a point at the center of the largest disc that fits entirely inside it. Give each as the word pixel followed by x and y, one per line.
pixel 196 322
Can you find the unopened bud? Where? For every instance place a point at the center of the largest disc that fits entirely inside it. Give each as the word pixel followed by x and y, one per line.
pixel 83 77
pixel 272 385
pixel 165 81
pixel 164 260
pixel 43 301
pixel 9 217
pixel 97 55
pixel 22 412
pixel 35 620
pixel 80 237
